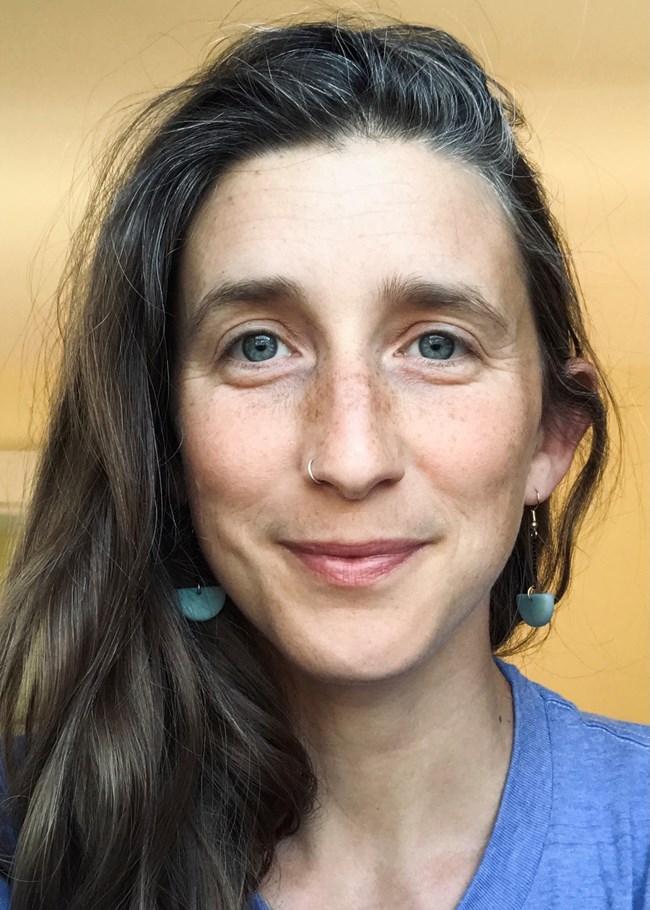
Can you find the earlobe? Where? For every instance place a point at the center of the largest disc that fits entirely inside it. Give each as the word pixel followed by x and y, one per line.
pixel 559 437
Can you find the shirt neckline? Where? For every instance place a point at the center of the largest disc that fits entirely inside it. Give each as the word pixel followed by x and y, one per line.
pixel 506 872
pixel 509 864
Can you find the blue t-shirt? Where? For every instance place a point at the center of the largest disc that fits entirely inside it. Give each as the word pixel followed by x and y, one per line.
pixel 573 828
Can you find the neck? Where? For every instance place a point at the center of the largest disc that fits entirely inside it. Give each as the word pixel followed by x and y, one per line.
pixel 410 768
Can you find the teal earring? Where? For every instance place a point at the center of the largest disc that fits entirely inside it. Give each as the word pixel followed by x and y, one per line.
pixel 535 608
pixel 200 604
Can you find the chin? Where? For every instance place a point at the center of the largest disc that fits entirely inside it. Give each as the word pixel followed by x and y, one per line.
pixel 351 661
pixel 341 641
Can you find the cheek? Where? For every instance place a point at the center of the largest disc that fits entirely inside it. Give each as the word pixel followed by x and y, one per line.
pixel 478 443
pixel 231 452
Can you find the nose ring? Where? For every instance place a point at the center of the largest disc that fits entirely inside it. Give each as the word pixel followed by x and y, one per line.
pixel 311 473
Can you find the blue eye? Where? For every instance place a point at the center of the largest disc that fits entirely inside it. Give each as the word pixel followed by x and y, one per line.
pixel 259 347
pixel 256 347
pixel 436 347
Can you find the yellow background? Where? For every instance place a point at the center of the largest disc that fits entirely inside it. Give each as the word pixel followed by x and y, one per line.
pixel 580 69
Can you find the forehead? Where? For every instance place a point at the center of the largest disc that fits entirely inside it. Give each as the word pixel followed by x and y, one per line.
pixel 345 220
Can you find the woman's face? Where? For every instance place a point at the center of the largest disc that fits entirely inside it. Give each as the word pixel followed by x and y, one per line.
pixel 365 308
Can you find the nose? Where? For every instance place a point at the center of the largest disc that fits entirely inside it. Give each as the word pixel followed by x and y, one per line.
pixel 353 433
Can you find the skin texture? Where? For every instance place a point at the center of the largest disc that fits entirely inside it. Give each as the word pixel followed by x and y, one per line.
pixel 408 720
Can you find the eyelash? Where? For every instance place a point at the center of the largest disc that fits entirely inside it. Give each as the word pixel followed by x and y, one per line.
pixel 468 349
pixel 450 363
pixel 249 364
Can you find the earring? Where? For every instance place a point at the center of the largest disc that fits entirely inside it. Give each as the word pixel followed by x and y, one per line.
pixel 200 604
pixel 535 608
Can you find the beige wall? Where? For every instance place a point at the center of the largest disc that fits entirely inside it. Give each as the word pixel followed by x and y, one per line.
pixel 580 69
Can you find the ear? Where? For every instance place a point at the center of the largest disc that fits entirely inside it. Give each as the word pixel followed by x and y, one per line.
pixel 558 438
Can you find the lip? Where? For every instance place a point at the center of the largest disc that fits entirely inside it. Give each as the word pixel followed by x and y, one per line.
pixel 351 565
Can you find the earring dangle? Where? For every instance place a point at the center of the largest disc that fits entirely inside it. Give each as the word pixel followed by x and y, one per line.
pixel 200 604
pixel 535 608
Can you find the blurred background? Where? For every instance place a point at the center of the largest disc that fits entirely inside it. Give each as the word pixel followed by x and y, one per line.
pixel 69 72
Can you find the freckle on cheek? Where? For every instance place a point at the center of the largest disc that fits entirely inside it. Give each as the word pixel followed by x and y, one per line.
pixel 314 410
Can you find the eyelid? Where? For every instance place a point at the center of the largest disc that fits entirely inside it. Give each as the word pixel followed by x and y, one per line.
pixel 237 334
pixel 224 355
pixel 445 331
pixel 240 338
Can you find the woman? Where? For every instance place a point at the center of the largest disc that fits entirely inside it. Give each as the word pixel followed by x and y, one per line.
pixel 326 370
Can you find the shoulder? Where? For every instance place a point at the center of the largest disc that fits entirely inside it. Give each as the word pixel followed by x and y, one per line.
pixel 583 743
pixel 601 765
pixel 7 838
pixel 4 894
pixel 617 752
pixel 606 759
pixel 597 774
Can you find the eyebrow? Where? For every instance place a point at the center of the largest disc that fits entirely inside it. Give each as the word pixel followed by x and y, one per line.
pixel 250 290
pixel 436 295
pixel 418 292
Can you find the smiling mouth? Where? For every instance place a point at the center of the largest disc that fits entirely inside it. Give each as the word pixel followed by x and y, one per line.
pixel 354 565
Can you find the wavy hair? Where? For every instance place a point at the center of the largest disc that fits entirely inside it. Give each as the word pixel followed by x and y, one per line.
pixel 152 762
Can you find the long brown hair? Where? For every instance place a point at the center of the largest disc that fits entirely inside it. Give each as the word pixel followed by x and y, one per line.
pixel 151 761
